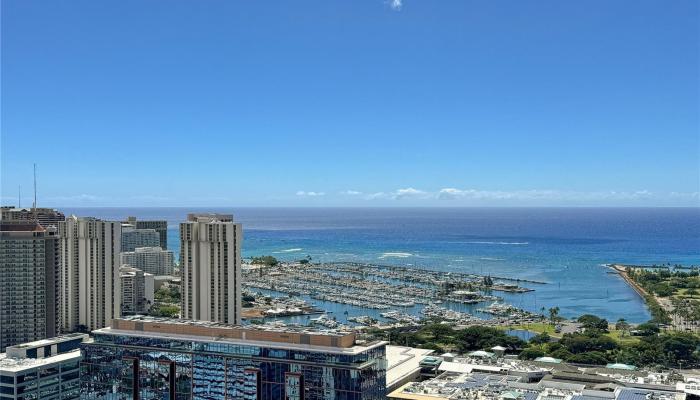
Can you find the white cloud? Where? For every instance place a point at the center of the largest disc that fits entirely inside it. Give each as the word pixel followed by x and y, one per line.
pixel 75 198
pixel 538 194
pixel 395 4
pixel 690 195
pixel 310 194
pixel 377 195
pixel 409 192
pixel 351 192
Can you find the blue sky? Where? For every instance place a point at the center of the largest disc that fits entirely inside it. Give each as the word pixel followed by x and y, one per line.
pixel 323 103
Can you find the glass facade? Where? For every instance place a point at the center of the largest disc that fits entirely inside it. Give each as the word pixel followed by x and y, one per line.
pixel 142 367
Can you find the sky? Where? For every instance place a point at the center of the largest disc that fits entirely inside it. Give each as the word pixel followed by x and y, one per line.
pixel 351 103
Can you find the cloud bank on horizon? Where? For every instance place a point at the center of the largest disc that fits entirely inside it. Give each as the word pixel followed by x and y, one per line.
pixel 408 196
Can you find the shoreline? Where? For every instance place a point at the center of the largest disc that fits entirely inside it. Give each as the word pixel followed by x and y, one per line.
pixel 621 270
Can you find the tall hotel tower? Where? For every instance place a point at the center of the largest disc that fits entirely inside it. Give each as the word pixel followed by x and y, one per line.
pixel 90 284
pixel 210 263
pixel 29 282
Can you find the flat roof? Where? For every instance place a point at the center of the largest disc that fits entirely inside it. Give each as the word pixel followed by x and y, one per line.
pixel 402 362
pixel 50 341
pixel 220 328
pixel 14 365
pixel 356 349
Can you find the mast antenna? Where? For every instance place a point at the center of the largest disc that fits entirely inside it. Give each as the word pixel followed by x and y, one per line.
pixel 34 187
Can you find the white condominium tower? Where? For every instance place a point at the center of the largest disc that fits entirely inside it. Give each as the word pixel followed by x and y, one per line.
pixel 90 285
pixel 152 260
pixel 210 264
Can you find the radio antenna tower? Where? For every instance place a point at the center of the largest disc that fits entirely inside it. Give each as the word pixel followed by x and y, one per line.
pixel 34 206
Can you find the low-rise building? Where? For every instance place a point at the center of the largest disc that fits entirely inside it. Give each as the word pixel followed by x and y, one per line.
pixel 404 365
pixel 480 386
pixel 46 369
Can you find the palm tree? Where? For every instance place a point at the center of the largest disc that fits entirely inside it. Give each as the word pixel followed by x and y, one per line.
pixel 553 313
pixel 622 326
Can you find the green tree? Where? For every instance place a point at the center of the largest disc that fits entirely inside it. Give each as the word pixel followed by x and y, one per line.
pixel 553 314
pixel 589 321
pixel 530 353
pixel 542 338
pixel 622 326
pixel 591 357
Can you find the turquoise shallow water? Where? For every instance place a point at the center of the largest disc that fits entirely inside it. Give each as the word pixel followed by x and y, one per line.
pixel 564 247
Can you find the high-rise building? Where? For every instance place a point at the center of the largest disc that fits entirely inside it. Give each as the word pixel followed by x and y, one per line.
pixel 29 282
pixel 210 265
pixel 153 260
pixel 46 369
pixel 160 226
pixel 133 238
pixel 137 290
pixel 45 216
pixel 157 358
pixel 90 284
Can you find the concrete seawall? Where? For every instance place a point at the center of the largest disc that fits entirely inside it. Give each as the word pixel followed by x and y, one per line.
pixel 622 271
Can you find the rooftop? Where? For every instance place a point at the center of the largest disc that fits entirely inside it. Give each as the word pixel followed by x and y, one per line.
pixel 293 337
pixel 50 341
pixel 402 362
pixel 209 217
pixel 21 226
pixel 14 365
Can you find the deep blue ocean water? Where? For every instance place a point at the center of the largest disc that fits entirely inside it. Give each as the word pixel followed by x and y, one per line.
pixel 564 247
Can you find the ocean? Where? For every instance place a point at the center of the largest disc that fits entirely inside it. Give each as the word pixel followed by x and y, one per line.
pixel 564 247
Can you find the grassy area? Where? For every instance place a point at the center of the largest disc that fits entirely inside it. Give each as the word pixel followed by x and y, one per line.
pixel 622 337
pixel 538 327
pixel 683 294
pixel 542 327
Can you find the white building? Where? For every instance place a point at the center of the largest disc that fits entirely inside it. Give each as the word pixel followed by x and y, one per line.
pixel 90 285
pixel 132 238
pixel 136 290
pixel 210 261
pixel 44 369
pixel 153 260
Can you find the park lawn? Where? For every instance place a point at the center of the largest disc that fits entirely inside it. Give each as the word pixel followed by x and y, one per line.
pixel 625 340
pixel 537 327
pixel 682 293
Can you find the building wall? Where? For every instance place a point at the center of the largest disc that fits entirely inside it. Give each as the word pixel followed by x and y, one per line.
pixel 215 370
pixel 90 284
pixel 153 260
pixel 46 370
pixel 135 238
pixel 133 289
pixel 210 263
pixel 161 226
pixel 28 284
pixel 45 216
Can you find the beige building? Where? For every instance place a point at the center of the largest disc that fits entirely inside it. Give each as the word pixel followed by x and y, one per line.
pixel 210 264
pixel 45 216
pixel 137 292
pixel 29 282
pixel 90 284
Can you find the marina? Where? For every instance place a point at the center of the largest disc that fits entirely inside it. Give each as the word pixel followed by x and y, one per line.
pixel 355 294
